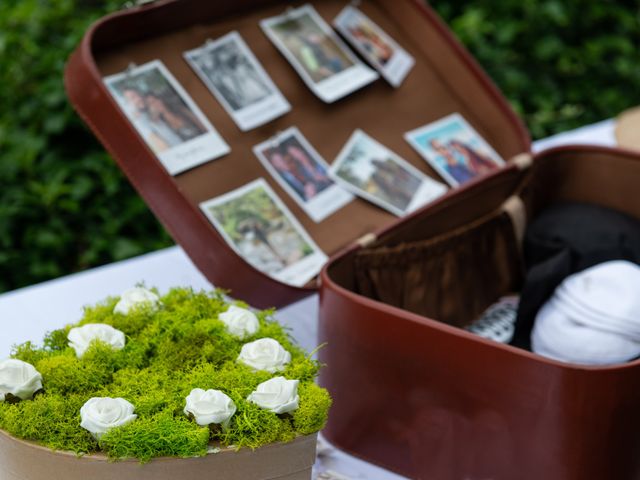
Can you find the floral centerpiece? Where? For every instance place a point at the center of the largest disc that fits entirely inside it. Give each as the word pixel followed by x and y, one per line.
pixel 143 376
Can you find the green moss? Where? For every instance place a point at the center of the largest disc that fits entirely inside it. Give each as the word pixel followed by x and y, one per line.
pixel 51 419
pixel 311 415
pixel 30 353
pixel 67 374
pixel 162 434
pixel 168 352
pixel 252 427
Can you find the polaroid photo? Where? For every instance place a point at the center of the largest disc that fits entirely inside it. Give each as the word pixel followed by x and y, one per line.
pixel 302 173
pixel 392 61
pixel 166 117
pixel 454 149
pixel 372 171
pixel 260 228
pixel 237 79
pixel 317 53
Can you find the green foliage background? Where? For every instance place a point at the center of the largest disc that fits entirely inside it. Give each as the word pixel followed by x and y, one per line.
pixel 64 205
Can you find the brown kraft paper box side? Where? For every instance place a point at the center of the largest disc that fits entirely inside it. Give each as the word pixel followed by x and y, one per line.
pixel 23 460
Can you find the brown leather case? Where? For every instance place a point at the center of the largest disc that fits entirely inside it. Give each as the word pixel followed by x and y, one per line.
pixel 445 79
pixel 419 395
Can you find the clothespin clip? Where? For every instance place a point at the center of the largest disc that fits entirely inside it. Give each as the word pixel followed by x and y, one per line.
pixel 130 68
pixel 275 140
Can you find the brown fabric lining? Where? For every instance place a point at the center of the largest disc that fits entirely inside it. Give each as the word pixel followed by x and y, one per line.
pixel 431 91
pixel 452 277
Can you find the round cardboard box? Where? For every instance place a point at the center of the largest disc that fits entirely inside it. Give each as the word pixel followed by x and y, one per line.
pixel 21 460
pixel 627 130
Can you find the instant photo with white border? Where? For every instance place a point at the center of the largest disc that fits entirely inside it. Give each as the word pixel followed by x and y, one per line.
pixel 297 274
pixel 465 133
pixel 176 154
pixel 251 99
pixel 339 84
pixel 324 203
pixel 397 67
pixel 427 191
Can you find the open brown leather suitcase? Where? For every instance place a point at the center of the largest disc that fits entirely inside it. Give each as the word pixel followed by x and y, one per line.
pixel 417 395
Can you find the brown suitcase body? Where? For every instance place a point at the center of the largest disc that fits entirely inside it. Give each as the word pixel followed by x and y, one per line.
pixel 432 401
pixel 418 396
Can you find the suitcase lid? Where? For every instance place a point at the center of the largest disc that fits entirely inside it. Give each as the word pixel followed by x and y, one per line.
pixel 445 79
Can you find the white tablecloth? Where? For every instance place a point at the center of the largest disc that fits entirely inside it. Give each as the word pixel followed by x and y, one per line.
pixel 28 313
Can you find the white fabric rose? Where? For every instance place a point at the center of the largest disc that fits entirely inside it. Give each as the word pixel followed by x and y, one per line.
pixel 240 322
pixel 80 338
pixel 210 406
pixel 101 414
pixel 277 395
pixel 135 297
pixel 18 378
pixel 264 354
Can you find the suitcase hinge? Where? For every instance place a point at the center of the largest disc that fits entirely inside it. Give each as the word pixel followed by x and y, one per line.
pixel 367 239
pixel 522 160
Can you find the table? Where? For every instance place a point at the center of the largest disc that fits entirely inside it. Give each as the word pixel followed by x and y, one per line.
pixel 28 313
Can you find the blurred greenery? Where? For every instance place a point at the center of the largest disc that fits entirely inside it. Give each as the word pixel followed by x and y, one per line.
pixel 65 206
pixel 561 63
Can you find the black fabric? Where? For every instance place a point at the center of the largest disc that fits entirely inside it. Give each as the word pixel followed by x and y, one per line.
pixel 565 239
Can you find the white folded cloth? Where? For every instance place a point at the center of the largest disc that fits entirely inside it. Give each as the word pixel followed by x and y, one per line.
pixel 593 317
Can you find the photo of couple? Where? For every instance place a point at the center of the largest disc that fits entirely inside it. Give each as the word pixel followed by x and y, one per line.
pixel 461 161
pixel 374 44
pixel 302 173
pixel 156 109
pixel 164 115
pixel 306 177
pixel 360 30
pixel 455 150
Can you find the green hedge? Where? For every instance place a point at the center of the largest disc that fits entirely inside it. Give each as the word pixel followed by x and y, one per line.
pixel 64 206
pixel 561 63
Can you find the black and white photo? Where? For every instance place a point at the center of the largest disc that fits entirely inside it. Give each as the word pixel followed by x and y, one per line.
pixel 237 79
